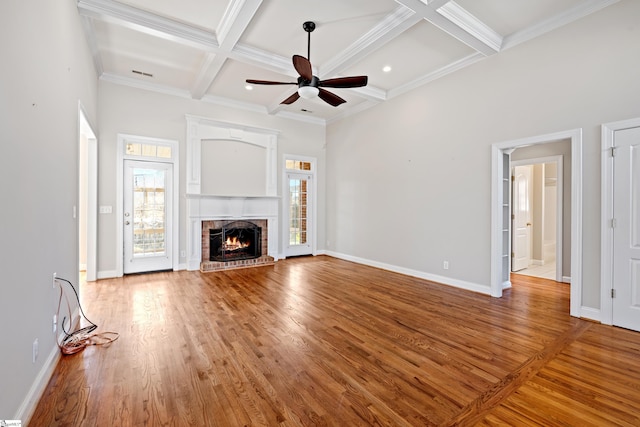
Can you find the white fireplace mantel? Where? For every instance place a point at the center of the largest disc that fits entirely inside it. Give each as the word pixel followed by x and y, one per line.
pixel 202 207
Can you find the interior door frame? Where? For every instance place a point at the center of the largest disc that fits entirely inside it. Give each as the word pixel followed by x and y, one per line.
pixel 86 135
pixel 313 212
pixel 513 233
pixel 498 150
pixel 175 223
pixel 606 215
pixel 558 160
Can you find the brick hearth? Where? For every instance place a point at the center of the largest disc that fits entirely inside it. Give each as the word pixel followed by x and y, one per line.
pixel 206 265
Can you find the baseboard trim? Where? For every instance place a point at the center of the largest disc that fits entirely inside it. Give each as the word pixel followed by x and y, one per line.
pixel 469 286
pixel 107 274
pixel 591 313
pixel 28 406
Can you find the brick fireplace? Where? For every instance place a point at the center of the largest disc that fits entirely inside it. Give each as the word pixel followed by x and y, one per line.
pixel 216 263
pixel 207 212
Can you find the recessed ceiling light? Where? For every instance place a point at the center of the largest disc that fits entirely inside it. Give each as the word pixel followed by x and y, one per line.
pixel 386 68
pixel 248 87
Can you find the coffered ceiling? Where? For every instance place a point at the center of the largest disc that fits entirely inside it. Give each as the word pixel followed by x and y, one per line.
pixel 206 49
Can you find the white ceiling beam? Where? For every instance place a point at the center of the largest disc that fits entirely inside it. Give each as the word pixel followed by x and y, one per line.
pixel 260 58
pixel 458 23
pixel 436 4
pixel 233 24
pixel 472 25
pixel 148 23
pixel 386 30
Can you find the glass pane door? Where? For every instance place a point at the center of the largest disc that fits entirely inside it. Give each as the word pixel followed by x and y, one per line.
pixel 299 214
pixel 147 226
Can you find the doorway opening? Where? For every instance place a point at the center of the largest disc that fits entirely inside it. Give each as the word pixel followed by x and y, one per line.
pixel 537 216
pixel 501 212
pixel 87 199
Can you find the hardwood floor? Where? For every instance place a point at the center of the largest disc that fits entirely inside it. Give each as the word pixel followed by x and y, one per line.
pixel 321 341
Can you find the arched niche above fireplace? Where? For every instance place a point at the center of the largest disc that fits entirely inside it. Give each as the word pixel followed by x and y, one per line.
pixel 213 145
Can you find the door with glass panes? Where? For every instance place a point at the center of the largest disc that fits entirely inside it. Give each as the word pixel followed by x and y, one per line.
pixel 299 219
pixel 147 216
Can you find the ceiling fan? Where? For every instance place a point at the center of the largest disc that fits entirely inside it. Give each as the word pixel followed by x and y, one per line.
pixel 309 85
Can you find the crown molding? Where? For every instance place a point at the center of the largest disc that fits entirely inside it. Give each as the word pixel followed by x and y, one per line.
pixel 141 84
pixel 301 118
pixel 87 26
pixel 352 110
pixel 580 11
pixel 148 23
pixel 232 103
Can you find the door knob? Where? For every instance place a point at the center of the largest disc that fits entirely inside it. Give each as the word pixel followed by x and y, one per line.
pixel 127 223
pixel 528 224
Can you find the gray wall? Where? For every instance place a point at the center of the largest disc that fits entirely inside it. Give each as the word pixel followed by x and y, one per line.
pixel 46 69
pixel 420 164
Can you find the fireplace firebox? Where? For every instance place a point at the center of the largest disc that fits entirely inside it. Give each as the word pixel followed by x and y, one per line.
pixel 235 241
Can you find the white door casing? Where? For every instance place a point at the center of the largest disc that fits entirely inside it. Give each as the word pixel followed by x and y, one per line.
pixel 299 220
pixel 147 217
pixel 499 261
pixel 521 203
pixel 626 229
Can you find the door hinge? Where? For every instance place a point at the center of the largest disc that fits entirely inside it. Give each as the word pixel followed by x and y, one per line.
pixel 513 177
pixel 613 293
pixel 613 151
pixel 513 216
pixel 513 255
pixel 613 223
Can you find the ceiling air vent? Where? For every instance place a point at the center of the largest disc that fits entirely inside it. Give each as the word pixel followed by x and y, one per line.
pixel 142 73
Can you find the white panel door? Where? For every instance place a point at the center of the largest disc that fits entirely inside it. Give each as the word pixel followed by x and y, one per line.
pixel 147 216
pixel 299 214
pixel 626 234
pixel 521 202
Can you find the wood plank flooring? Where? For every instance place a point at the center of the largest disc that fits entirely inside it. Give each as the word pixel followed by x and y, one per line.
pixel 319 341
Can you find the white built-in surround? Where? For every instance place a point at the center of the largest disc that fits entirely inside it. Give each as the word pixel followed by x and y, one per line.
pixel 208 207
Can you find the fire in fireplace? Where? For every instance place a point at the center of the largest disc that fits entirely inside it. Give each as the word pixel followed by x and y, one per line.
pixel 235 241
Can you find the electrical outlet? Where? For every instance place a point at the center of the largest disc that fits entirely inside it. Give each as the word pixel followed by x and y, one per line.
pixel 55 275
pixel 55 323
pixel 35 350
pixel 445 265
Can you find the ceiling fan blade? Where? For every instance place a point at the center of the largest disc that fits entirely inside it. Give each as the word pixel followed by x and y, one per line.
pixel 330 98
pixel 345 82
pixel 269 82
pixel 303 67
pixel 290 100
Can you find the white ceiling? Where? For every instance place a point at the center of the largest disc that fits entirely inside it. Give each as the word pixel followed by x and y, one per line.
pixel 206 49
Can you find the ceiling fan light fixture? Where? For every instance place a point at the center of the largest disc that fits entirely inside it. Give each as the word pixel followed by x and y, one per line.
pixel 308 92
